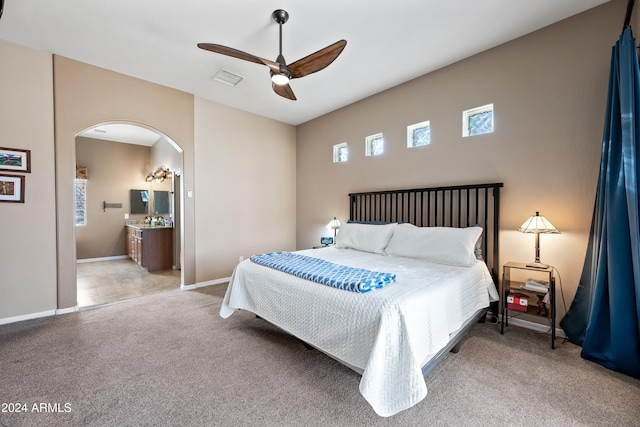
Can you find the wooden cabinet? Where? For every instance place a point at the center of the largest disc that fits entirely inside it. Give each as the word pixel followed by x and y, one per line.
pixel 134 243
pixel 151 247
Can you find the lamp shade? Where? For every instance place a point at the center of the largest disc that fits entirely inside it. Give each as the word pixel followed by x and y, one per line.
pixel 334 224
pixel 537 224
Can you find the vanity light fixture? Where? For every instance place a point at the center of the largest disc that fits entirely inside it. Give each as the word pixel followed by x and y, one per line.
pixel 158 175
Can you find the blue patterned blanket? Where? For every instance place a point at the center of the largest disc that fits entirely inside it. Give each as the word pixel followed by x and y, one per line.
pixel 325 272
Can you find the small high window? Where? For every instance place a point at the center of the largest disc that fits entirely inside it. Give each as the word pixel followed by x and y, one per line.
pixel 81 201
pixel 340 153
pixel 419 134
pixel 477 121
pixel 374 145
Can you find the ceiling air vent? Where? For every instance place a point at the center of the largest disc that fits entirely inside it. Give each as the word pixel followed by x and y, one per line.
pixel 227 77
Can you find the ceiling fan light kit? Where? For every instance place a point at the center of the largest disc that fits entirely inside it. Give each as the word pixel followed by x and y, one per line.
pixel 281 73
pixel 280 79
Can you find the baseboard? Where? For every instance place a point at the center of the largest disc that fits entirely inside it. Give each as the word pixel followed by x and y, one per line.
pixel 536 327
pixel 29 316
pixel 7 320
pixel 207 283
pixel 67 310
pixel 106 258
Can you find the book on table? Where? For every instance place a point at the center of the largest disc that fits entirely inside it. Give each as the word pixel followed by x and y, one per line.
pixel 536 285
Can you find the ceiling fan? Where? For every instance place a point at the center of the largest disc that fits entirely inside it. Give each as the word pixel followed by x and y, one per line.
pixel 281 73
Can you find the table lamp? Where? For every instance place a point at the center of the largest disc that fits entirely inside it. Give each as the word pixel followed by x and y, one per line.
pixel 334 225
pixel 537 224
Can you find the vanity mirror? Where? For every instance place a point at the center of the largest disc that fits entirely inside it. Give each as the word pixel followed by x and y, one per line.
pixel 139 201
pixel 161 202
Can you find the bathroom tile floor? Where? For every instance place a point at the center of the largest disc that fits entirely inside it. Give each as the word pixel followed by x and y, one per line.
pixel 104 282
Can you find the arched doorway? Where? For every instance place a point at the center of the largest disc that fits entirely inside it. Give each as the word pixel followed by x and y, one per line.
pixel 118 157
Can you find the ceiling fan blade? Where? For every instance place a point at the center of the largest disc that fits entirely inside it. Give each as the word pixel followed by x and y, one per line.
pixel 284 91
pixel 235 53
pixel 316 61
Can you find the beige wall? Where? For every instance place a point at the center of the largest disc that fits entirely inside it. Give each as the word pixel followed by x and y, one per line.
pixel 86 96
pixel 237 153
pixel 257 190
pixel 245 169
pixel 549 93
pixel 163 153
pixel 28 243
pixel 114 169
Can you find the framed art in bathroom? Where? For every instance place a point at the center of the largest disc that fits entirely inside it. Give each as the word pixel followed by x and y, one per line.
pixel 15 160
pixel 11 188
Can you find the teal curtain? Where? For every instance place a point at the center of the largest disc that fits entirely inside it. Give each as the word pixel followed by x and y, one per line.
pixel 604 317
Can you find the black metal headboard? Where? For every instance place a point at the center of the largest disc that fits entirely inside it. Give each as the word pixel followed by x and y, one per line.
pixel 454 206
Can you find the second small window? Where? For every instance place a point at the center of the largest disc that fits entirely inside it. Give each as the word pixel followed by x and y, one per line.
pixel 340 153
pixel 374 145
pixel 419 134
pixel 477 121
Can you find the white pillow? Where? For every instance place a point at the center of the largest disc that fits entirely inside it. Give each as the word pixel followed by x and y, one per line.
pixel 365 237
pixel 444 245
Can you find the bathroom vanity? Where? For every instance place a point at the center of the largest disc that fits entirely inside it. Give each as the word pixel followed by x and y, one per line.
pixel 150 246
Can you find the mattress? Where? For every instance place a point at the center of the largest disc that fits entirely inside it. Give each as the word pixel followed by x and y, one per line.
pixel 387 334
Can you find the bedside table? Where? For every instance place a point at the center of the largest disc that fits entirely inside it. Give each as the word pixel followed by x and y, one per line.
pixel 514 278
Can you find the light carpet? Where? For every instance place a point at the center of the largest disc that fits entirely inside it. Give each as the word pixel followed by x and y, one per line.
pixel 169 359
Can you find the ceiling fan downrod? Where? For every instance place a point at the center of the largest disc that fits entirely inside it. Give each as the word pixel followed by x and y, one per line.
pixel 280 17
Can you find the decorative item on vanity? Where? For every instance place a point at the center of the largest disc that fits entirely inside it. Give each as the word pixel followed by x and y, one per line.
pixel 538 224
pixel 156 221
pixel 334 225
pixel 158 175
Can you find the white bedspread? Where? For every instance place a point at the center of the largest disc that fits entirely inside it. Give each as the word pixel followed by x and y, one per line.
pixel 388 333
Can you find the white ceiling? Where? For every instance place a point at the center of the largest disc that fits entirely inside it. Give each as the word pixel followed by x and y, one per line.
pixel 123 132
pixel 388 42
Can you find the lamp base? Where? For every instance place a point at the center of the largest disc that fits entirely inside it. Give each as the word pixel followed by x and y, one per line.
pixel 537 265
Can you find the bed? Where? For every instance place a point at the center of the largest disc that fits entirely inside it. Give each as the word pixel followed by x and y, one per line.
pixel 441 247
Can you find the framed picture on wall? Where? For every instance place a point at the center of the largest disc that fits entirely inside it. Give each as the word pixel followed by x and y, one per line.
pixel 11 188
pixel 15 160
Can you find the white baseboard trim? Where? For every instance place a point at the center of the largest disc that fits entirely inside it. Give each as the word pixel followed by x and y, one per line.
pixel 536 326
pixel 106 258
pixel 67 310
pixel 29 316
pixel 7 320
pixel 38 315
pixel 207 283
